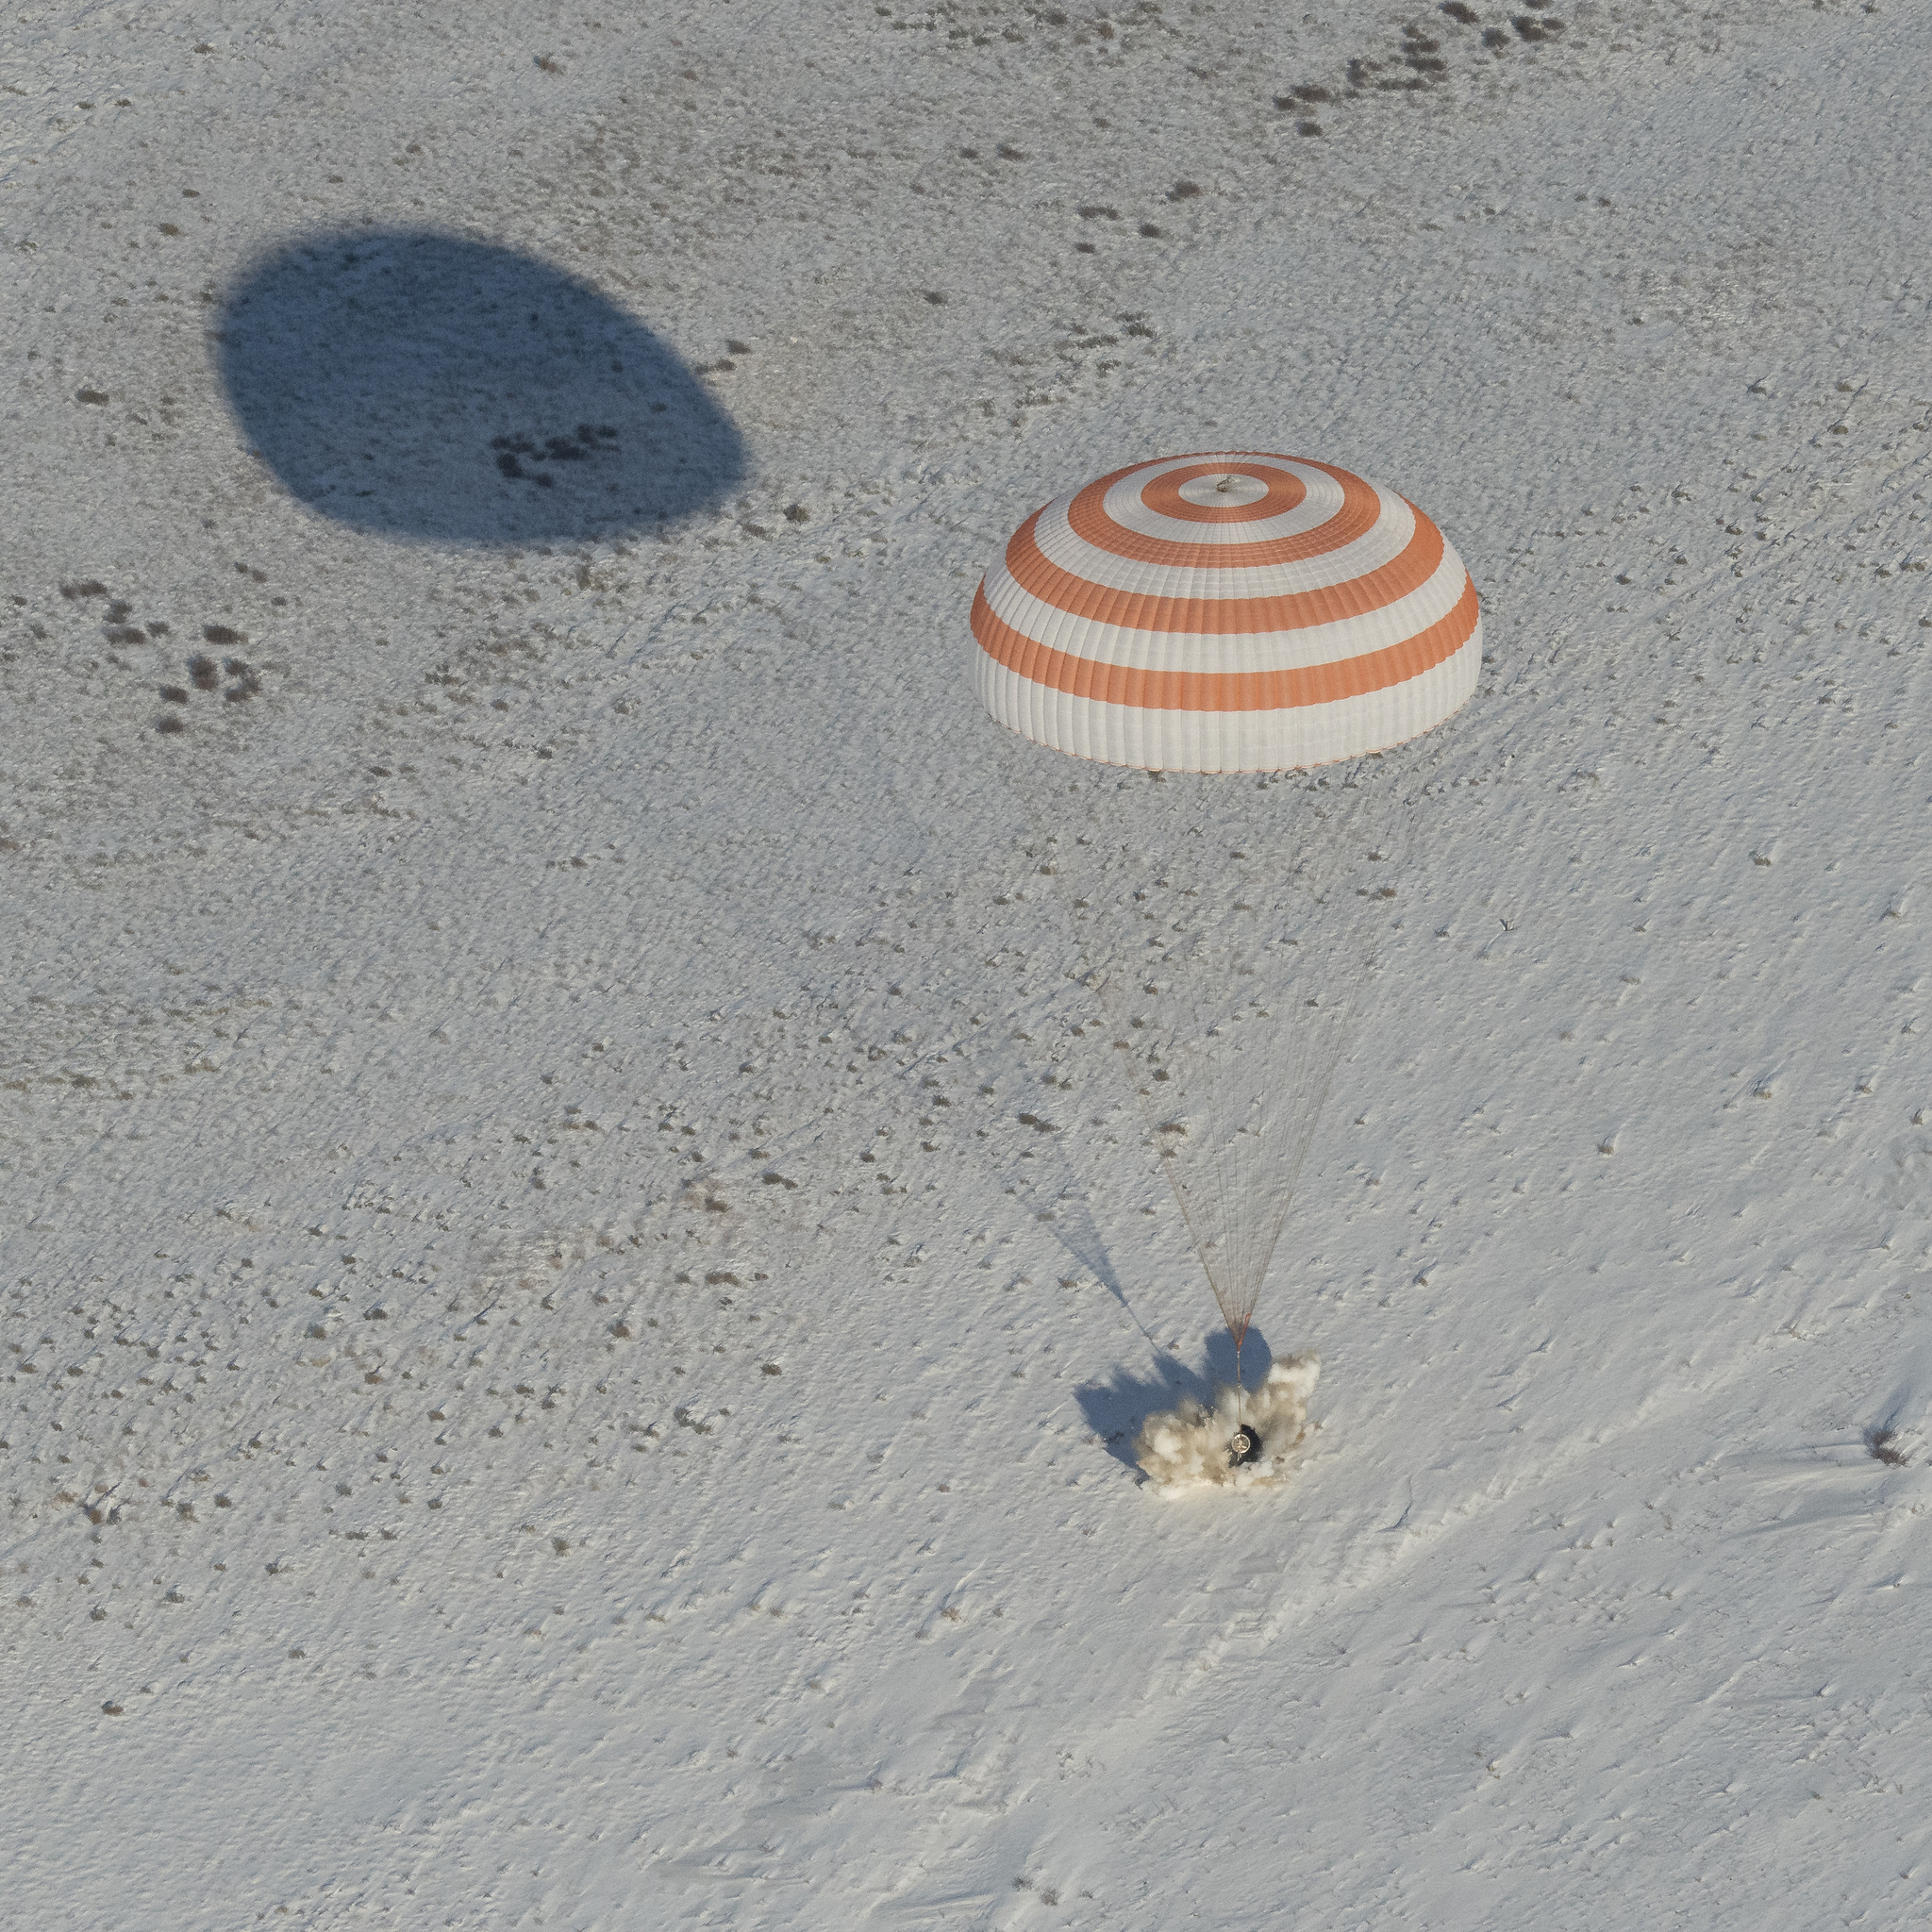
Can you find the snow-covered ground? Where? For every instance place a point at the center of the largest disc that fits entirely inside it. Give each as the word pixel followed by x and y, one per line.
pixel 547 1381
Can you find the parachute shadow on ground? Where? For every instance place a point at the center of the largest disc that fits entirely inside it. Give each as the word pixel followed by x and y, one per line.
pixel 1115 1409
pixel 417 385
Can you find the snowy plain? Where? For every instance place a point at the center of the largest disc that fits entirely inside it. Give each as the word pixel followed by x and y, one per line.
pixel 546 1382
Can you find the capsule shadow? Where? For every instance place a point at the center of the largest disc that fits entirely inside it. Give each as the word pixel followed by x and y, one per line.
pixel 419 385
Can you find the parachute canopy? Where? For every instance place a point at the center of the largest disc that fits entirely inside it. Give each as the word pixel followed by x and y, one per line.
pixel 1226 613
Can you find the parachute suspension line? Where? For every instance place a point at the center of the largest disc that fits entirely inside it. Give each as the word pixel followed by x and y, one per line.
pixel 1237 1049
pixel 1236 1261
pixel 1216 1194
pixel 1241 1387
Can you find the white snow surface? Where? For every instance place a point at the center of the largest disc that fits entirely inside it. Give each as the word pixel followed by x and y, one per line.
pixel 514 1211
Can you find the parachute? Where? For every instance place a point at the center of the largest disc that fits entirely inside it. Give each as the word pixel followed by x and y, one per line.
pixel 1209 615
pixel 1226 613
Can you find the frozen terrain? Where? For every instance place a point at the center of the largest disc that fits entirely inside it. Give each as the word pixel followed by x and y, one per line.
pixel 575 1305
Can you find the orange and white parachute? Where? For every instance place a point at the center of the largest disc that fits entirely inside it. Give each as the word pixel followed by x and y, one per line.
pixel 1226 613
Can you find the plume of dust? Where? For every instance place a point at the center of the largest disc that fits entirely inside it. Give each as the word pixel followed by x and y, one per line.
pixel 1187 1448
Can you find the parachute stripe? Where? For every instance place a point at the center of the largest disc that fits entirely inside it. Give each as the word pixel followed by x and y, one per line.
pixel 1185 612
pixel 1169 689
pixel 1285 491
pixel 1087 634
pixel 1092 519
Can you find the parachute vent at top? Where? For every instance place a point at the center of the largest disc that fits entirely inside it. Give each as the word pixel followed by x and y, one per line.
pixel 1226 613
